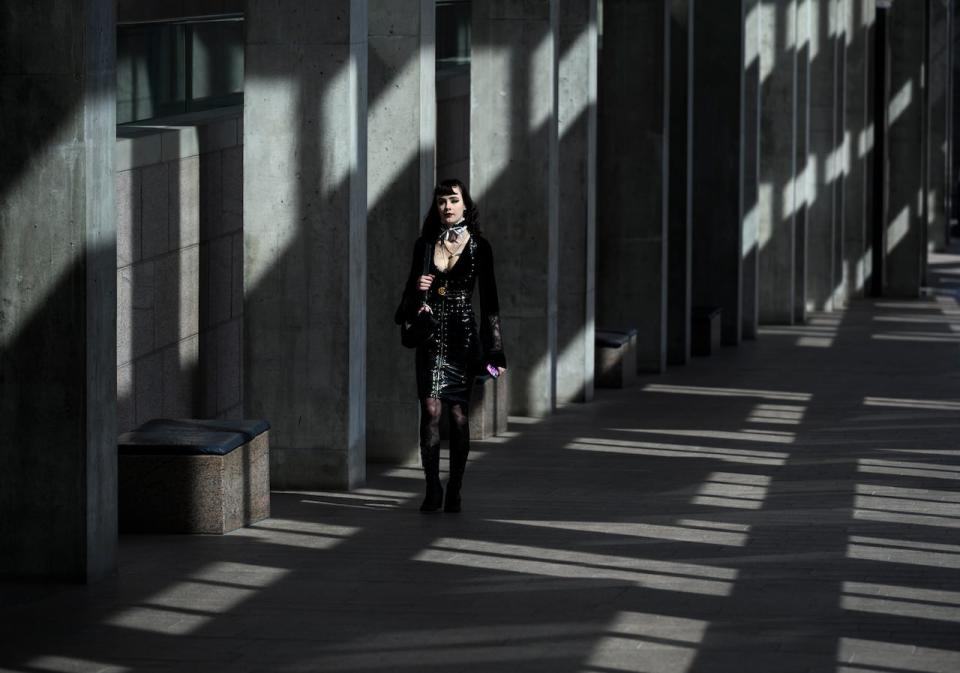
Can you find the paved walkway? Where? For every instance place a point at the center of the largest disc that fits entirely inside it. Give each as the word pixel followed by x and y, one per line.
pixel 789 505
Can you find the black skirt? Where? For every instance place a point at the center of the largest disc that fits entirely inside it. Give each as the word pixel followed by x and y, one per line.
pixel 447 363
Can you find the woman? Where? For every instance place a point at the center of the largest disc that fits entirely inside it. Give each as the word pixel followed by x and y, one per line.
pixel 454 354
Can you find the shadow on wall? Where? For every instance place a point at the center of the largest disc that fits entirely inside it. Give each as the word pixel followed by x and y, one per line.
pixel 180 275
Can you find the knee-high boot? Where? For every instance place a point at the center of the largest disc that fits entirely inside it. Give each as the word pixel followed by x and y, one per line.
pixel 430 456
pixel 459 450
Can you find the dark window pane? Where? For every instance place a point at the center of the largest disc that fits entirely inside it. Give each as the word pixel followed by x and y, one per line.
pixel 217 72
pixel 166 69
pixel 453 34
pixel 150 71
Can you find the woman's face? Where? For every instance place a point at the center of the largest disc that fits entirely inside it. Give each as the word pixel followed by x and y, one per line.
pixel 450 207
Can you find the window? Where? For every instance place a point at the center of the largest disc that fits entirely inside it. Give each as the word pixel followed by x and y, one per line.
pixel 169 68
pixel 453 35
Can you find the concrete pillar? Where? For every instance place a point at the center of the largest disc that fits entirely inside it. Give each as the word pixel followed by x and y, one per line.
pixel 305 248
pixel 825 174
pixel 954 113
pixel 803 180
pixel 400 157
pixel 750 208
pixel 680 233
pixel 778 152
pixel 938 67
pixel 904 249
pixel 720 159
pixel 514 163
pixel 841 293
pixel 58 469
pixel 577 116
pixel 634 157
pixel 857 146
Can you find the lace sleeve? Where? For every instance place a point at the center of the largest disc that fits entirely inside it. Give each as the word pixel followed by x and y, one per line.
pixel 491 336
pixel 493 340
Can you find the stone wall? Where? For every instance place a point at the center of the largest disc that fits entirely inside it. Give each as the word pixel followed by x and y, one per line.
pixel 179 269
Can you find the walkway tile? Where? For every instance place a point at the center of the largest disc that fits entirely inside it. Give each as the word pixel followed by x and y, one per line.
pixel 789 505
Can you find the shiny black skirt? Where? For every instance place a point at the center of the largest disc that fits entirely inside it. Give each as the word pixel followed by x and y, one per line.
pixel 447 363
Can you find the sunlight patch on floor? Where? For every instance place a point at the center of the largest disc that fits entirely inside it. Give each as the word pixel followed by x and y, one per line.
pixel 904 551
pixel 58 664
pixel 945 405
pixel 297 533
pixel 777 414
pixel 862 655
pixel 185 606
pixel 732 489
pixel 727 392
pixel 900 601
pixel 907 505
pixel 648 643
pixel 915 494
pixel 745 435
pixel 549 562
pixel 701 532
pixel 664 450
pixel 908 468
pixel 919 337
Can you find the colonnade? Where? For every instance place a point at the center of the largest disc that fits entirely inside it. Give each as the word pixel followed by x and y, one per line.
pixel 631 164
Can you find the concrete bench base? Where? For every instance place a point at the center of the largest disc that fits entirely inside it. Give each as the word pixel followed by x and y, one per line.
pixel 502 406
pixel 195 493
pixel 615 358
pixel 705 330
pixel 489 406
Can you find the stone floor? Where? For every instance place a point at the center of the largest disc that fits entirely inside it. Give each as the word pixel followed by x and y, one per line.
pixel 789 505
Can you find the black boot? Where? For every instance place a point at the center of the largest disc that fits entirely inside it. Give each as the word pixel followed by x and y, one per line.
pixel 430 456
pixel 459 449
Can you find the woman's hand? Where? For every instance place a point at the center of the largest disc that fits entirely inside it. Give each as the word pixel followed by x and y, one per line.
pixel 424 283
pixel 491 368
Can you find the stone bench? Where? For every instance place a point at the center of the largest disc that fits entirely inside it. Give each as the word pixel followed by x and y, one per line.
pixel 705 330
pixel 193 476
pixel 615 358
pixel 489 407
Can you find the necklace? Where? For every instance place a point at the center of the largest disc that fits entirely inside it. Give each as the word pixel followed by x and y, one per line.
pixel 446 254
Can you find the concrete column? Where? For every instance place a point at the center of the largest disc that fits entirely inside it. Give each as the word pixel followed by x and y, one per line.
pixel 825 173
pixel 577 116
pixel 905 251
pixel 841 293
pixel 58 469
pixel 634 157
pixel 720 160
pixel 750 208
pixel 680 233
pixel 938 67
pixel 400 155
pixel 305 248
pixel 803 182
pixel 778 152
pixel 514 162
pixel 858 146
pixel 954 113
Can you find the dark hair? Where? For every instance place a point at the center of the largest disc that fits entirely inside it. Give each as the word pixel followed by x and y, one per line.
pixel 471 216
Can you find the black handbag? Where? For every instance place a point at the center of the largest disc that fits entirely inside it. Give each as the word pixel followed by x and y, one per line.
pixel 416 331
